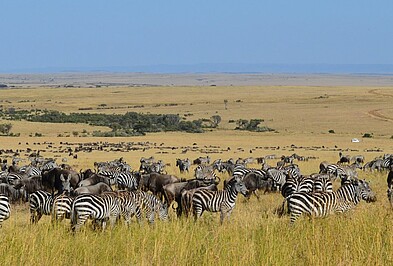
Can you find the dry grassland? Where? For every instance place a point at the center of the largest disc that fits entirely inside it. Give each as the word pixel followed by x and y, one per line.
pixel 301 116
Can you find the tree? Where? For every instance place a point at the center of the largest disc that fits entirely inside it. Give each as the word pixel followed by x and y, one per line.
pixel 5 128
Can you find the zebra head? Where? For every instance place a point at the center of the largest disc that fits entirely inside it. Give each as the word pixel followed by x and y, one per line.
pixel 364 191
pixel 240 186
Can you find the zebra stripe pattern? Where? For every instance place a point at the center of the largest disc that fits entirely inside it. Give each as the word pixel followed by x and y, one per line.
pixel 218 201
pixel 61 208
pixel 323 204
pixel 5 209
pixel 97 207
pixel 40 204
pixel 124 180
pixel 301 184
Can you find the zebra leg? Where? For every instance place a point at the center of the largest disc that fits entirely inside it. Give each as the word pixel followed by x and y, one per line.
pixel 256 194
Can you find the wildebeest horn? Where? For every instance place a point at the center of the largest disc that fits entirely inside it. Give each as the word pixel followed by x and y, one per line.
pixel 219 179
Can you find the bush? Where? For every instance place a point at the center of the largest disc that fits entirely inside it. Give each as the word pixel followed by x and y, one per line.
pixel 331 131
pixel 368 135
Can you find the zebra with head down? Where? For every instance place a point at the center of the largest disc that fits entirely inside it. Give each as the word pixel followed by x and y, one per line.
pixel 323 204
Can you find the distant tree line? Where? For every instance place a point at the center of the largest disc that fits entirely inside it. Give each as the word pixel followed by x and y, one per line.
pixel 128 124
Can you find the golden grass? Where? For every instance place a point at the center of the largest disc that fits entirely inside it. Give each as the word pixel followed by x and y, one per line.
pixel 254 235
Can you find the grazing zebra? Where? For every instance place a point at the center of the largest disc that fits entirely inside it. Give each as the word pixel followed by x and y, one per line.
pixel 136 202
pixel 300 184
pixel 218 201
pixel 323 204
pixel 100 208
pixel 5 209
pixel 123 180
pixel 40 204
pixel 61 207
pixel 12 177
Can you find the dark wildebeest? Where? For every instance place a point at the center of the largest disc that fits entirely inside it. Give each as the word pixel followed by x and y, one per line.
pixel 94 179
pixel 94 189
pixel 14 195
pixel 173 191
pixel 59 180
pixel 255 182
pixel 184 165
pixel 344 158
pixel 30 185
pixel 155 183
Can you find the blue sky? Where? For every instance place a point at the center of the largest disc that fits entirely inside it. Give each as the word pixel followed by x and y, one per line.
pixel 65 34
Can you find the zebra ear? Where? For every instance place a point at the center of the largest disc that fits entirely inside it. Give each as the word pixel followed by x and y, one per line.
pixel 69 176
pixel 61 177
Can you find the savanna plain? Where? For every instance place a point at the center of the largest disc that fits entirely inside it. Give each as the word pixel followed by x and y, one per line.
pixel 301 117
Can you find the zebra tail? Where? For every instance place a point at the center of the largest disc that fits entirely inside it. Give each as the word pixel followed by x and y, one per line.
pixel 280 211
pixel 73 217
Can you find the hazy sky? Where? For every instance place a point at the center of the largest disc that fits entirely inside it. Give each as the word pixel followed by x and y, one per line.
pixel 94 33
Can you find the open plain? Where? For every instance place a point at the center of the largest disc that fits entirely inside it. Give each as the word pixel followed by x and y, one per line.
pixel 301 113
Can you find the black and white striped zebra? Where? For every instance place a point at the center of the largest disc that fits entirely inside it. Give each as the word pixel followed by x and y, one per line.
pixel 123 180
pixel 30 171
pixel 278 176
pixel 218 201
pixel 100 208
pixel 241 171
pixel 322 183
pixel 5 209
pixel 138 202
pixel 323 204
pixel 61 207
pixel 205 172
pixel 300 184
pixel 40 204
pixel 387 162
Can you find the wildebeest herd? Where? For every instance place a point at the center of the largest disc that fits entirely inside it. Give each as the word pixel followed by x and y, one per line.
pixel 112 190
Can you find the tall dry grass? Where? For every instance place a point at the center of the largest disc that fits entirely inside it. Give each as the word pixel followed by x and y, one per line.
pixel 254 235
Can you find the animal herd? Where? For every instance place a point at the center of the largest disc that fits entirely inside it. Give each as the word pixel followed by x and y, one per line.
pixel 112 191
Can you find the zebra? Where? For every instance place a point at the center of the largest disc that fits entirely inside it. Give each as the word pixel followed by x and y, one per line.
pixel 40 204
pixel 323 204
pixel 30 171
pixel 100 208
pixel 48 165
pixel 322 183
pixel 241 171
pixel 293 185
pixel 12 177
pixel 218 201
pixel 205 172
pixel 61 207
pixel 123 180
pixel 5 209
pixel 134 202
pixel 387 162
pixel 278 176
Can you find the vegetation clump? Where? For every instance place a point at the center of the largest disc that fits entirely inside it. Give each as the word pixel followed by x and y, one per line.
pixel 252 125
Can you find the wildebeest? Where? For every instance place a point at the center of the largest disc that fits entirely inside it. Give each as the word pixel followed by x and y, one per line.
pixel 173 191
pixel 93 189
pixel 184 165
pixel 94 179
pixel 155 183
pixel 13 194
pixel 59 179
